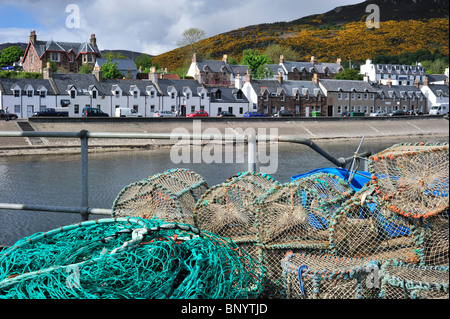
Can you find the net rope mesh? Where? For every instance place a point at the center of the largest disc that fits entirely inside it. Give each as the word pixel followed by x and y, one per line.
pixel 257 236
pixel 170 196
pixel 413 179
pixel 407 281
pixel 309 276
pixel 128 258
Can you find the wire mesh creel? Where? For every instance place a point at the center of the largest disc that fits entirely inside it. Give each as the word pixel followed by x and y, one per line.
pixel 170 196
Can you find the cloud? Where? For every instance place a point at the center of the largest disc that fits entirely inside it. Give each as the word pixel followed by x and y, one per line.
pixel 155 26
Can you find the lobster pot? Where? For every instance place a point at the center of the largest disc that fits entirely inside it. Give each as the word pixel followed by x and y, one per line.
pixel 170 196
pixel 256 182
pixel 406 281
pixel 434 243
pixel 363 228
pixel 309 276
pixel 299 213
pixel 412 179
pixel 227 210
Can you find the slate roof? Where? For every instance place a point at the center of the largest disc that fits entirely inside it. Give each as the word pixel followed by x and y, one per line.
pixel 179 85
pixel 398 90
pixel 214 66
pixel 441 90
pixel 347 86
pixel 228 95
pixel 309 67
pixel 398 69
pixel 123 64
pixel 6 84
pixel 42 46
pixel 289 87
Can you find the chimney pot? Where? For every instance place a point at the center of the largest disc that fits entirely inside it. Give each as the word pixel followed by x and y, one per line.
pixel 33 37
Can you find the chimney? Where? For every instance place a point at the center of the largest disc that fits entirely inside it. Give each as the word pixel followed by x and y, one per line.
pixel 313 60
pixel 281 59
pixel 98 73
pixel 389 82
pixel 446 81
pixel 225 58
pixel 248 77
pixel 280 78
pixel 366 77
pixel 425 82
pixel 93 40
pixel 339 61
pixel 194 58
pixel 47 72
pixel 153 76
pixel 416 83
pixel 315 79
pixel 33 37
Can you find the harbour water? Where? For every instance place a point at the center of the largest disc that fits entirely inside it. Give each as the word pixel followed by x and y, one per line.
pixel 55 180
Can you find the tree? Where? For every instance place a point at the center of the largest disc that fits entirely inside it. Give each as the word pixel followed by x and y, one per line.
pixel 254 59
pixel 190 37
pixel 274 51
pixel 263 72
pixel 143 61
pixel 86 69
pixel 110 70
pixel 349 74
pixel 10 55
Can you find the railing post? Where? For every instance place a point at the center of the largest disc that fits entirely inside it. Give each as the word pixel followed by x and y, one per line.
pixel 251 153
pixel 84 175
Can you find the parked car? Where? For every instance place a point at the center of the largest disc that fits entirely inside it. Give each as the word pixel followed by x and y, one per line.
pixel 164 114
pixel 284 113
pixel 397 113
pixel 198 114
pixel 379 113
pixel 439 110
pixel 51 112
pixel 11 116
pixel 93 112
pixel 254 114
pixel 127 112
pixel 225 114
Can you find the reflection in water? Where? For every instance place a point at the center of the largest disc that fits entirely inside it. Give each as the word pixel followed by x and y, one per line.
pixel 55 180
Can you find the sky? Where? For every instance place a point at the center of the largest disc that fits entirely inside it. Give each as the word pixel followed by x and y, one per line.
pixel 148 26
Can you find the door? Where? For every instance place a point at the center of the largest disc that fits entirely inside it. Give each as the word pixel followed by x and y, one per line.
pixel 307 111
pixel 29 110
pixel 330 110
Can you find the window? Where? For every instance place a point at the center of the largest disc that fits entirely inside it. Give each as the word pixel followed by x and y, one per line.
pixel 136 108
pixel 73 94
pixel 172 108
pixel 43 94
pixel 239 95
pixel 76 109
pixel 353 96
pixel 188 96
pixel 89 58
pixel 366 96
pixel 30 93
pixel 16 108
pixel 117 94
pixel 172 95
pixel 339 108
pixel 202 107
pixel 55 57
pixel 152 94
pixel 307 97
pixel 266 96
pixel 94 94
pixel 203 96
pixel 283 97
pixel 274 110
pixel 88 105
pixel 359 96
pixel 219 109
pixel 16 93
pixel 152 108
pixel 346 96
pixel 339 96
pixel 192 108
pixel 135 94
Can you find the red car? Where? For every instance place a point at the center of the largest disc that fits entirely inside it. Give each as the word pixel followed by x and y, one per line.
pixel 198 114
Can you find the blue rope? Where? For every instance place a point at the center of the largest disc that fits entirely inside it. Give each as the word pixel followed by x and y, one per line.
pixel 300 280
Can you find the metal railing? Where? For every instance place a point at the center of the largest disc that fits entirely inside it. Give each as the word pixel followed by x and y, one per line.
pixel 84 210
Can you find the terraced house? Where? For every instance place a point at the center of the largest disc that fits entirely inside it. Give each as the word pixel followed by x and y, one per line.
pixel 68 57
pixel 302 98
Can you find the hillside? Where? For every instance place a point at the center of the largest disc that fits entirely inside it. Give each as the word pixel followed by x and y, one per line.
pixel 406 25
